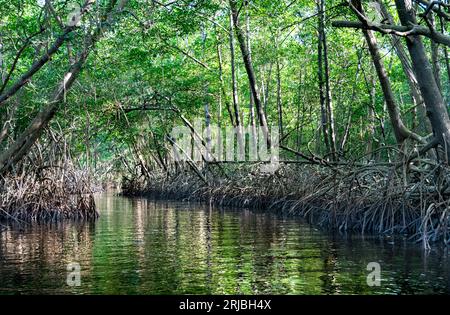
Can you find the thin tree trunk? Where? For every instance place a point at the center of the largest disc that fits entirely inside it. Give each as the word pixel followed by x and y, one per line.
pixel 328 98
pixel 301 110
pixel 320 74
pixel 222 85
pixel 265 88
pixel 2 63
pixel 87 137
pixel 249 69
pixel 158 151
pixel 371 118
pixel 279 100
pixel 237 118
pixel 208 154
pixel 253 145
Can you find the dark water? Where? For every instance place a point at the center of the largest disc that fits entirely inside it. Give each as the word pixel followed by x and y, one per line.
pixel 140 246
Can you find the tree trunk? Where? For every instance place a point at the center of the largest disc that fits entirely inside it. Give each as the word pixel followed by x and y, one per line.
pixel 249 69
pixel 435 57
pixel 371 118
pixel 253 145
pixel 320 74
pixel 46 57
pixel 2 63
pixel 222 85
pixel 237 118
pixel 28 137
pixel 424 124
pixel 436 109
pixel 328 97
pixel 279 100
pixel 400 131
pixel 265 87
pixel 208 137
pixel 447 63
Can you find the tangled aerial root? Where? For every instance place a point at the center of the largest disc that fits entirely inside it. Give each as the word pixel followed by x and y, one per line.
pixel 47 193
pixel 376 198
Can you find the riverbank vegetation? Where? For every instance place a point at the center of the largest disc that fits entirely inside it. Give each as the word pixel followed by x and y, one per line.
pixel 358 92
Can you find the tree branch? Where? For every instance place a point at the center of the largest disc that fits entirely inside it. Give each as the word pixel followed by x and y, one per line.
pixel 36 66
pixel 398 30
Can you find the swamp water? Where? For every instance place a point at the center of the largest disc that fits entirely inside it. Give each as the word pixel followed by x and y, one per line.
pixel 141 246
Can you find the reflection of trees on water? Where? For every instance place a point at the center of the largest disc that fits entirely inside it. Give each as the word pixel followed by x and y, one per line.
pixel 36 257
pixel 405 267
pixel 148 247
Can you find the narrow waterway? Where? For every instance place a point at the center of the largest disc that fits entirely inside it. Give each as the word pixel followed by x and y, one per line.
pixel 141 246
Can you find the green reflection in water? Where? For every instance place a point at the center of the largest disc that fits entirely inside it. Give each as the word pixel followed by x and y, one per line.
pixel 139 246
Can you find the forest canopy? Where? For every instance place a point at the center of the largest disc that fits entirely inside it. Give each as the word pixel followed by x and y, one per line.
pixel 357 90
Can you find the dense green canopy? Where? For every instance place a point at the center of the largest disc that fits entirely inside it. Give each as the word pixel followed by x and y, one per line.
pixel 317 80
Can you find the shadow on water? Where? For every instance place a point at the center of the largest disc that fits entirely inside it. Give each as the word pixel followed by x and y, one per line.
pixel 141 246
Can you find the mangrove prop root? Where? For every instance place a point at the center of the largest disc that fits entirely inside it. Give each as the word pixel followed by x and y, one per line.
pixel 412 200
pixel 47 193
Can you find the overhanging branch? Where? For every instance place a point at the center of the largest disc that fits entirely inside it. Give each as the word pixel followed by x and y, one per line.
pixel 398 30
